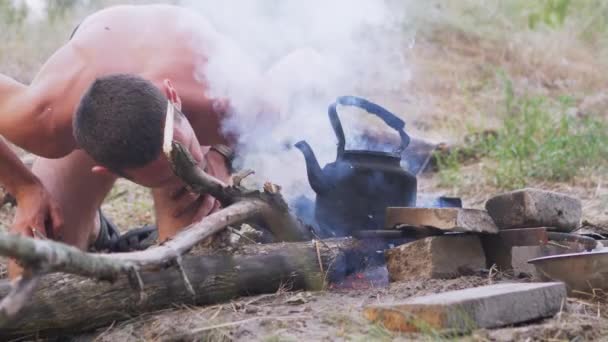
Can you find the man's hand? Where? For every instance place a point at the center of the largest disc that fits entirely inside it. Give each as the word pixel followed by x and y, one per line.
pixel 215 165
pixel 38 214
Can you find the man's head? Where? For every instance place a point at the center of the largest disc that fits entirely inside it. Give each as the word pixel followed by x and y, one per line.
pixel 119 123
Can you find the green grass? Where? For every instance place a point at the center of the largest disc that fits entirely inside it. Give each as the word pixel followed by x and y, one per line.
pixel 539 140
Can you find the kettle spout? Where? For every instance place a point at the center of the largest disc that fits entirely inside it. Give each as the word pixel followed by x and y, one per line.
pixel 316 178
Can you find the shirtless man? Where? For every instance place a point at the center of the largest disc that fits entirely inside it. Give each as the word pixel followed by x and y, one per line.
pixel 96 111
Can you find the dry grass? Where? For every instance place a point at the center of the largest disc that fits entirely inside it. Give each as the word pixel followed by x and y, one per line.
pixel 460 48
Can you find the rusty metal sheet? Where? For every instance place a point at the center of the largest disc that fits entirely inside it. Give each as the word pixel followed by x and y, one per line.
pixel 524 236
pixel 447 219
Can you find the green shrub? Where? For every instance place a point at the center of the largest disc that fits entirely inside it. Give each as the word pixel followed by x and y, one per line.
pixel 550 12
pixel 539 140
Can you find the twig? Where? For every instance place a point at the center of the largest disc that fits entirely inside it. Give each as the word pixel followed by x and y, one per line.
pixel 491 273
pixel 180 267
pixel 317 238
pixel 216 313
pixel 104 332
pixel 318 256
pixel 140 284
pixel 22 290
pixel 234 231
pixel 553 243
pixel 238 178
pixel 561 310
pixel 245 321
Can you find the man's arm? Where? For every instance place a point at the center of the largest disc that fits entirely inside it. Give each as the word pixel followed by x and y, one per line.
pixel 39 212
pixel 38 117
pixel 13 174
pixel 18 120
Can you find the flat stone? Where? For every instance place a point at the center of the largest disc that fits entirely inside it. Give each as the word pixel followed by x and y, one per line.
pixel 446 256
pixel 446 219
pixel 535 208
pixel 465 310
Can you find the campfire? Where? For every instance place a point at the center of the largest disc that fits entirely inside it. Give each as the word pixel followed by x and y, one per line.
pixel 365 229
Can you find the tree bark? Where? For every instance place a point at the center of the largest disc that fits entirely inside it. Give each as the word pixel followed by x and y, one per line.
pixel 66 304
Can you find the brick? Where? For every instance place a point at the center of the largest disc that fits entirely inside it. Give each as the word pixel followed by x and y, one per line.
pixel 535 208
pixel 446 219
pixel 444 256
pixel 464 310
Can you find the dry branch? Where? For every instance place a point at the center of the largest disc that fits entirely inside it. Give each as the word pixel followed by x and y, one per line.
pixel 51 256
pixel 183 242
pixel 185 167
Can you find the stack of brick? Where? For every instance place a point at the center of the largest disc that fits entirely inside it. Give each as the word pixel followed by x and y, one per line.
pixel 532 223
pixel 515 227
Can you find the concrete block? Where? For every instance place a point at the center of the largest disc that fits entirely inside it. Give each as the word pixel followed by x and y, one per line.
pixel 497 247
pixel 446 219
pixel 464 310
pixel 521 254
pixel 535 208
pixel 446 256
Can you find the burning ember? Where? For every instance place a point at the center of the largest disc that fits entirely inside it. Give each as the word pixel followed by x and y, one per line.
pixel 372 277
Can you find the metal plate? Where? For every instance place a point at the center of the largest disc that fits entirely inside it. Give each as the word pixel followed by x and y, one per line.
pixel 583 273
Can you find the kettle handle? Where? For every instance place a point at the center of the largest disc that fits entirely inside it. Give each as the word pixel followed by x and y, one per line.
pixel 389 118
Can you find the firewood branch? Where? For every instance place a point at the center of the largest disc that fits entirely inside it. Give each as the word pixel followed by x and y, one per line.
pixel 185 167
pixel 51 256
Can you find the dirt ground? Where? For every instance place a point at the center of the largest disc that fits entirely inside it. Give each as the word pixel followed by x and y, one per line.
pixel 336 316
pixel 333 315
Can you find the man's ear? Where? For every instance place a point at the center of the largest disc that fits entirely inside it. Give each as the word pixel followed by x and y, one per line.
pixel 171 94
pixel 102 171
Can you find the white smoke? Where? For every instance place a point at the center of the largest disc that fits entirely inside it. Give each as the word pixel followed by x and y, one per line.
pixel 295 57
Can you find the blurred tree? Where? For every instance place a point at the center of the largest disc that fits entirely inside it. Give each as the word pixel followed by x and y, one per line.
pixel 57 9
pixel 550 12
pixel 12 13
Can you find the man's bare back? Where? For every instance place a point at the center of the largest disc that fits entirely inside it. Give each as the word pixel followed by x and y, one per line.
pixel 155 42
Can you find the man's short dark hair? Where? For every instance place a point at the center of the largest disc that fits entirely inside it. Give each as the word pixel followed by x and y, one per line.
pixel 119 121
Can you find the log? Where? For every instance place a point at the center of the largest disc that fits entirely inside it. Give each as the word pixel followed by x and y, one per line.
pixel 68 304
